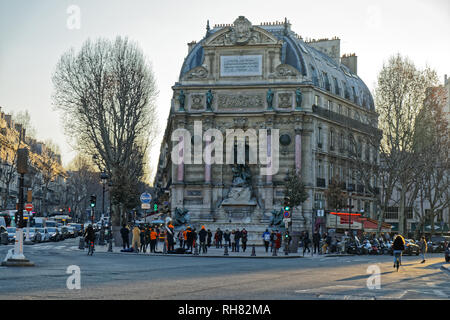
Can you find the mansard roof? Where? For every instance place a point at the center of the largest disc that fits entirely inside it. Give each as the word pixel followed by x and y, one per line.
pixel 313 64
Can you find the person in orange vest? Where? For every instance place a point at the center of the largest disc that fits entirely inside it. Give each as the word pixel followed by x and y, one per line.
pixel 185 238
pixel 153 236
pixel 189 238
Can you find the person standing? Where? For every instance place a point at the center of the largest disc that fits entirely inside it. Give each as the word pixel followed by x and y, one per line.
pixel 153 239
pixel 316 241
pixel 237 239
pixel 142 238
pixel 202 238
pixel 233 240
pixel 124 232
pixel 170 237
pixel 244 238
pixel 278 239
pixel 325 243
pixel 226 237
pixel 272 240
pixel 185 237
pixel 180 238
pixel 220 237
pixel 189 238
pixel 209 237
pixel 266 239
pixel 306 242
pixel 423 248
pixel 136 241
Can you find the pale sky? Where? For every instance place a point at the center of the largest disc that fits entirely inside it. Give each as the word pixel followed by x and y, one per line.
pixel 34 34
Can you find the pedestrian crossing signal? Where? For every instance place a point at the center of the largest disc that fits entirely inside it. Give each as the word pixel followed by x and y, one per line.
pixel 93 201
pixel 155 207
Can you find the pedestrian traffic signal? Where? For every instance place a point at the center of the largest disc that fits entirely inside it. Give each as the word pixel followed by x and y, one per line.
pixel 93 201
pixel 155 207
pixel 287 212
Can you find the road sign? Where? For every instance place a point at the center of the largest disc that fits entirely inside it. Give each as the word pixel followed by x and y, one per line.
pixel 286 220
pixel 145 206
pixel 146 197
pixel 29 207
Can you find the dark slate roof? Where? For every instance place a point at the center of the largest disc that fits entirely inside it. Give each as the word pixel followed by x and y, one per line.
pixel 311 63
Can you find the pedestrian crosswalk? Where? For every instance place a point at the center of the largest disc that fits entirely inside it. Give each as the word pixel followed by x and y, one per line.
pixel 53 247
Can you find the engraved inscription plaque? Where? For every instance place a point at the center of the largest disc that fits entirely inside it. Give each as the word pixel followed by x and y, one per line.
pixel 241 66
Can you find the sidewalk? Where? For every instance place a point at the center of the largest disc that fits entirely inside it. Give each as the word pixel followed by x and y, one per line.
pixel 213 252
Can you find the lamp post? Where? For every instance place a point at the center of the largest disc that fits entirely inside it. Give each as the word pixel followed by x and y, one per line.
pixel 104 177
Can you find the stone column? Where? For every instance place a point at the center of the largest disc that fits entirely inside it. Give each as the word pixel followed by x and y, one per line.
pixel 298 151
pixel 207 192
pixel 180 169
pixel 269 184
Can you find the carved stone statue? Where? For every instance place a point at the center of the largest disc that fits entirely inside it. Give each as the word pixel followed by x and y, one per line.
pixel 181 99
pixel 298 98
pixel 181 217
pixel 209 99
pixel 269 99
pixel 276 221
pixel 241 175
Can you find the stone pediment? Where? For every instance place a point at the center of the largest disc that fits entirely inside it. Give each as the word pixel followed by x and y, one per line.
pixel 241 33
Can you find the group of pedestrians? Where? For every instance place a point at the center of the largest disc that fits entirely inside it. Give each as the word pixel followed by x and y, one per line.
pixel 234 239
pixel 274 238
pixel 145 237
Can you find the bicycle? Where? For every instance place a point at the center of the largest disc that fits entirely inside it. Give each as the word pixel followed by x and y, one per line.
pixel 91 248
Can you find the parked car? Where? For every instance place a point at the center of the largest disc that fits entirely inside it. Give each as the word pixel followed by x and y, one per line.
pixel 65 234
pixel 42 235
pixel 54 233
pixel 436 243
pixel 78 228
pixel 72 231
pixel 11 234
pixel 32 233
pixel 411 247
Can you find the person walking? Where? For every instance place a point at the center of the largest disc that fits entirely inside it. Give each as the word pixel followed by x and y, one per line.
pixel 209 237
pixel 185 237
pixel 216 238
pixel 266 239
pixel 202 238
pixel 237 239
pixel 398 245
pixel 423 248
pixel 244 238
pixel 220 237
pixel 316 241
pixel 136 241
pixel 124 232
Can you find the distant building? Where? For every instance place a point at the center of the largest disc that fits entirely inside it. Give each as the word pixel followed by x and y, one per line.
pixel 46 176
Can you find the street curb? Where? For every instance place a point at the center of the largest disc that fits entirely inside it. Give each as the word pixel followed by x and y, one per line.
pixel 338 255
pixel 201 256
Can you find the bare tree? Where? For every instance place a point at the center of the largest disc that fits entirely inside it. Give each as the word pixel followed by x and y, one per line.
pixel 399 95
pixel 106 93
pixel 432 145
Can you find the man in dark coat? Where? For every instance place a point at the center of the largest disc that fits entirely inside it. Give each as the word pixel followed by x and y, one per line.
pixel 125 232
pixel 209 238
pixel 237 238
pixel 202 238
pixel 316 241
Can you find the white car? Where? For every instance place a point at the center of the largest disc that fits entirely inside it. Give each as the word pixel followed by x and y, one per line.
pixel 42 235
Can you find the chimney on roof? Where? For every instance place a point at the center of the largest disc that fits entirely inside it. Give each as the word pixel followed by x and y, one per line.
pixel 191 45
pixel 351 62
pixel 331 48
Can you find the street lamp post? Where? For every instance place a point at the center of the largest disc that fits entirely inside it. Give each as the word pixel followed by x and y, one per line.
pixel 104 177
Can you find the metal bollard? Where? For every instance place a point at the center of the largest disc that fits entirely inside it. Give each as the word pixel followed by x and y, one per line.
pixel 81 244
pixel 226 251
pixel 253 251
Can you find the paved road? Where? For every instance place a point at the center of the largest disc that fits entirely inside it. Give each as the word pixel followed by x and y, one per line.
pixel 132 276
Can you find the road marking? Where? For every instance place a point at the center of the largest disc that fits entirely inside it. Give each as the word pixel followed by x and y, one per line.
pixel 328 288
pixel 344 297
pixel 440 293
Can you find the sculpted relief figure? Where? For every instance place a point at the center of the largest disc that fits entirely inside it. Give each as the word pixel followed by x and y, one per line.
pixel 209 99
pixel 269 99
pixel 298 98
pixel 181 99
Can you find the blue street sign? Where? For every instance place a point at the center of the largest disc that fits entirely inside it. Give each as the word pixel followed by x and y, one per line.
pixel 146 197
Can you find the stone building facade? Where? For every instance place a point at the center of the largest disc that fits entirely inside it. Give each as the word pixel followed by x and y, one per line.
pixel 303 95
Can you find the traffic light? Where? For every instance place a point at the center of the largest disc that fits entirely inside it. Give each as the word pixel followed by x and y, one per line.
pixel 287 211
pixel 155 207
pixel 93 200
